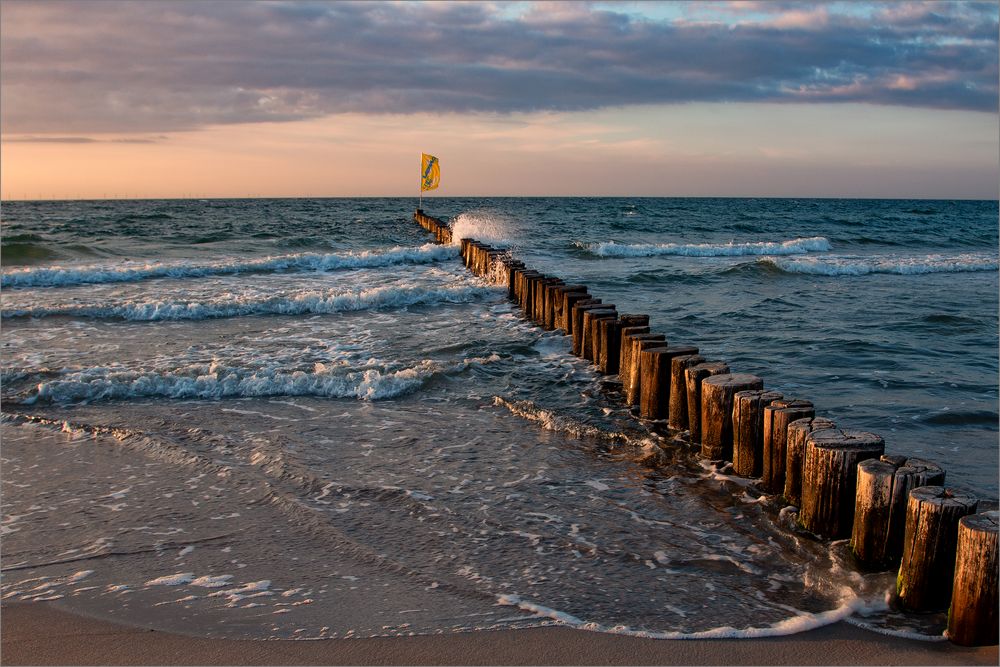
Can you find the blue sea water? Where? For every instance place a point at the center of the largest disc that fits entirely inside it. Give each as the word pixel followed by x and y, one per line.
pixel 377 421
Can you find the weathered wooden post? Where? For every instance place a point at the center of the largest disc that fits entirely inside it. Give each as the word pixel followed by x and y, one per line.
pixel 717 393
pixel 870 534
pixel 515 268
pixel 795 454
pixel 829 478
pixel 748 430
pixel 559 303
pixel 880 506
pixel 912 473
pixel 547 311
pixel 579 308
pixel 655 372
pixel 609 341
pixel 625 350
pixel 570 299
pixel 777 416
pixel 531 281
pixel 595 336
pixel 927 570
pixel 693 377
pixel 677 412
pixel 589 317
pixel 539 315
pixel 639 342
pixel 972 618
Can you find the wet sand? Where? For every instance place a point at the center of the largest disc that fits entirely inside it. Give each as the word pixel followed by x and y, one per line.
pixel 43 634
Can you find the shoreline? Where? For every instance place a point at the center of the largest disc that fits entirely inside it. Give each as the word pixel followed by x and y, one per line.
pixel 47 634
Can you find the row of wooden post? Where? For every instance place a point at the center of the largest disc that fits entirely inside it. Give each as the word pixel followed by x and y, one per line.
pixel 895 510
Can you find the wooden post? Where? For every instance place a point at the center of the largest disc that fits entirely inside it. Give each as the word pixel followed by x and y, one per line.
pixel 910 474
pixel 587 332
pixel 870 534
pixel 927 570
pixel 559 303
pixel 538 299
pixel 624 351
pixel 579 308
pixel 570 299
pixel 795 454
pixel 748 430
pixel 777 416
pixel 717 394
pixel 548 304
pixel 678 411
pixel 515 269
pixel 595 335
pixel 692 378
pixel 829 478
pixel 972 618
pixel 608 345
pixel 531 280
pixel 880 506
pixel 639 342
pixel 655 372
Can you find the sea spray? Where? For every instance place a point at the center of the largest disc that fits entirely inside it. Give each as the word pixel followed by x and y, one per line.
pixel 484 226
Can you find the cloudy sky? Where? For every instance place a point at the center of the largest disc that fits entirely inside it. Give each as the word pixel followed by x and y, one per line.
pixel 166 99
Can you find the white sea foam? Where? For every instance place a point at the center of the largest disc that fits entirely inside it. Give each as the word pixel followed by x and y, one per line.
pixel 228 305
pixel 134 271
pixel 172 579
pixel 482 226
pixel 800 621
pixel 553 422
pixel 215 381
pixel 793 247
pixel 847 265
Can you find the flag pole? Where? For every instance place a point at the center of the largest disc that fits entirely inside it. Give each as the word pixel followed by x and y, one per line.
pixel 420 185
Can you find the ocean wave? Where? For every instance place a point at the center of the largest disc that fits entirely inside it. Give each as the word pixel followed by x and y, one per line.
pixel 314 302
pixel 860 266
pixel 217 381
pixel 797 246
pixel 553 422
pixel 82 275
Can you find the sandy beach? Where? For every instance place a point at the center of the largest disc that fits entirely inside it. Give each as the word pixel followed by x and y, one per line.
pixel 43 634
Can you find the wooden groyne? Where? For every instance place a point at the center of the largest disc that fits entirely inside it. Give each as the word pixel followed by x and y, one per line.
pixel 895 511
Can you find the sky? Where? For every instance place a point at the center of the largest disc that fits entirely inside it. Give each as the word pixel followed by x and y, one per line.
pixel 284 99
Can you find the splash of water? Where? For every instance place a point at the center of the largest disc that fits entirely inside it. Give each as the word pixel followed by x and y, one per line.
pixel 484 226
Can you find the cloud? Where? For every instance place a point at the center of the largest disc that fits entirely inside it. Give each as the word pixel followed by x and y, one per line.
pixel 82 140
pixel 139 67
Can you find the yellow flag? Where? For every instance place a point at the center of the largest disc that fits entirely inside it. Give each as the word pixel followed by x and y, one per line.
pixel 430 172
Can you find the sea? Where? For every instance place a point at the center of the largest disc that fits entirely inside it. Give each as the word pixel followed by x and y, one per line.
pixel 301 418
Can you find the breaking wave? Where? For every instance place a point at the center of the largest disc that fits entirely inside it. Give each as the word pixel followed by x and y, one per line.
pixel 314 302
pixel 553 422
pixel 102 273
pixel 860 266
pixel 217 381
pixel 793 247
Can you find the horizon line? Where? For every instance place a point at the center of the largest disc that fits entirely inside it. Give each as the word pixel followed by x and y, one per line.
pixel 262 197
